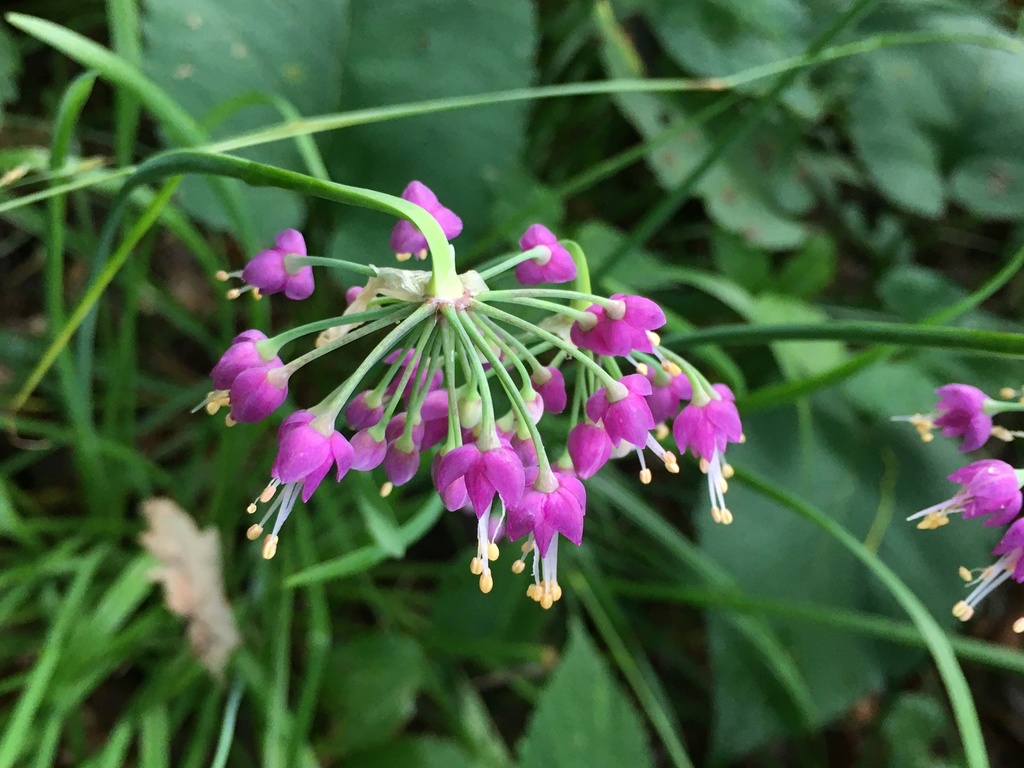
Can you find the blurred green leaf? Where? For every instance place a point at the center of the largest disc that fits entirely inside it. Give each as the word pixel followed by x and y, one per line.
pixel 811 269
pixel 10 65
pixel 741 262
pixel 911 728
pixel 414 752
pixel 583 717
pixel 798 359
pixel 374 682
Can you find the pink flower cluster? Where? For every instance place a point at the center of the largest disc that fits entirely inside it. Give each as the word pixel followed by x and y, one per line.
pixel 435 395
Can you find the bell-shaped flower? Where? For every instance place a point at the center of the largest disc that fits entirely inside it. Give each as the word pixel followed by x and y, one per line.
pixel 406 239
pixel 242 355
pixel 270 272
pixel 258 392
pixel 550 385
pixel 486 472
pixel 556 266
pixel 962 414
pixel 667 392
pixel 618 331
pixel 623 410
pixel 988 488
pixel 590 448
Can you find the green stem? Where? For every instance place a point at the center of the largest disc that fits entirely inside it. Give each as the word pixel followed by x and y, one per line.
pixel 582 281
pixel 293 260
pixel 698 382
pixel 558 341
pixel 525 301
pixel 378 431
pixel 293 365
pixel 512 261
pixel 486 325
pixel 508 339
pixel 550 293
pixel 471 357
pixel 859 332
pixel 454 425
pixel 270 347
pixel 938 644
pixel 422 383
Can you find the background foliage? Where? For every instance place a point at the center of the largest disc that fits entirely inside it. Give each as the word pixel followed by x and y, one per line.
pixel 882 181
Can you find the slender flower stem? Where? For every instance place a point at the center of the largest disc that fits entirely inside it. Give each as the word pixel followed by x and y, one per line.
pixel 992 407
pixel 525 301
pixel 380 429
pixel 582 281
pixel 454 425
pixel 337 399
pixel 422 383
pixel 703 393
pixel 516 399
pixel 294 260
pixel 510 339
pixel 513 261
pixel 270 347
pixel 558 341
pixel 487 420
pixel 485 325
pixel 549 293
pixel 330 346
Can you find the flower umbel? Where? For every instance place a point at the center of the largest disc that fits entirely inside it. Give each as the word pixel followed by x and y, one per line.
pixel 448 357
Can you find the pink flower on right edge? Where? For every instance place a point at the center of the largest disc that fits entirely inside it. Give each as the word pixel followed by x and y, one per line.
pixel 962 409
pixel 706 429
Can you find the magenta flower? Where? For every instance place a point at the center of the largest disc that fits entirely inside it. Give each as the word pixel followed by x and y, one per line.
pixel 258 392
pixel 1010 564
pixel 590 448
pixel 351 294
pixel 242 355
pixel 406 239
pixel 962 409
pixel 557 267
pixel 360 413
pixel 706 429
pixel 1011 546
pixel 269 272
pixel 454 495
pixel 550 385
pixel 486 473
pixel 305 454
pixel 367 451
pixel 626 416
pixel 617 334
pixel 989 488
pixel 667 392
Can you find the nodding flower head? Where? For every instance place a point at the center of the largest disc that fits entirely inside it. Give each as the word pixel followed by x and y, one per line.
pixel 554 504
pixel 624 412
pixel 988 488
pixel 556 266
pixel 705 428
pixel 242 355
pixel 406 239
pixel 271 271
pixel 550 385
pixel 962 414
pixel 1010 565
pixel 485 472
pixel 258 392
pixel 620 329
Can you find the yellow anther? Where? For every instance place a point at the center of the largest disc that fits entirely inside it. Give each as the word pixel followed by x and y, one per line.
pixel 254 532
pixel 386 489
pixel 1001 433
pixel 251 509
pixel 268 493
pixel 655 338
pixel 1007 393
pixel 642 369
pixel 546 601
pixel 1020 400
pixel 221 275
pixel 532 591
pixel 492 551
pixel 726 517
pixel 1018 625
pixel 403 256
pixel 728 471
pixel 486 582
pixel 228 421
pixel 927 437
pixel 963 611
pixel 233 293
pixel 661 431
pixel 965 573
pixel 704 466
pixel 669 367
pixel 269 547
pixel 212 407
pixel 723 486
pixel 518 566
pixel 716 514
pixel 645 476
pixel 556 591
pixel 527 546
pixel 475 566
pixel 671 464
pixel 743 439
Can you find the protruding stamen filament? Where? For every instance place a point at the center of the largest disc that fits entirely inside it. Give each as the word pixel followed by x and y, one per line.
pixel 923 423
pixel 989 580
pixel 214 401
pixel 717 486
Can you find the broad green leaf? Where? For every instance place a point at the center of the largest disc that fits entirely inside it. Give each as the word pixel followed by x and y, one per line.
pixel 810 270
pixel 911 729
pixel 414 752
pixel 869 478
pixel 583 717
pixel 798 359
pixel 741 262
pixel 374 682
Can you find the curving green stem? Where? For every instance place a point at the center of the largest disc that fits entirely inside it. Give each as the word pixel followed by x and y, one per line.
pixel 549 293
pixel 294 260
pixel 558 341
pixel 506 264
pixel 582 281
pixel 293 365
pixel 703 393
pixel 471 358
pixel 270 347
pixel 525 301
pixel 856 331
pixel 487 326
pixel 507 340
pixel 379 429
pixel 454 425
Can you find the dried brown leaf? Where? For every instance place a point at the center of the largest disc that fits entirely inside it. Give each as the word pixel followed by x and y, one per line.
pixel 190 571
